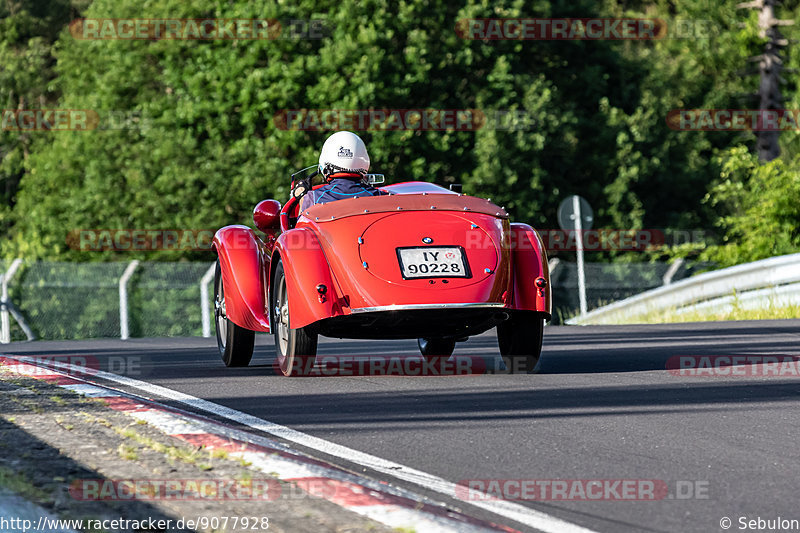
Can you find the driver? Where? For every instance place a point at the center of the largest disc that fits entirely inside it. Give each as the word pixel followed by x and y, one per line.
pixel 343 163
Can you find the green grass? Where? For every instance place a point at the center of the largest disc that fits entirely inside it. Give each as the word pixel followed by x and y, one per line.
pixel 128 452
pixel 671 316
pixel 219 453
pixel 20 484
pixel 772 310
pixel 58 399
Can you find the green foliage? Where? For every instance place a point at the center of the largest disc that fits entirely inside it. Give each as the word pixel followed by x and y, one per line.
pixel 761 207
pixel 200 146
pixel 27 33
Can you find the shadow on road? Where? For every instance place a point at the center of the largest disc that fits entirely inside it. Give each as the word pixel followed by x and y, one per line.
pixel 567 350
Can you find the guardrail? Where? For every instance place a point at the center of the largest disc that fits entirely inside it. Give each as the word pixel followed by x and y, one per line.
pixel 770 281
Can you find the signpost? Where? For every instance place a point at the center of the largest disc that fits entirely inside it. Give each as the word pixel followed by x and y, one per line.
pixel 576 214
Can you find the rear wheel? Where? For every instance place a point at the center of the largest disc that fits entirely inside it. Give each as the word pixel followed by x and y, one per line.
pixel 437 348
pixel 520 341
pixel 235 343
pixel 295 349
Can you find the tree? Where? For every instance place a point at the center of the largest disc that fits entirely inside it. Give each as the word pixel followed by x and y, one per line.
pixel 202 146
pixel 760 203
pixel 27 33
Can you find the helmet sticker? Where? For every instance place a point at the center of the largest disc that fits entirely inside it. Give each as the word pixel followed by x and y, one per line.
pixel 345 152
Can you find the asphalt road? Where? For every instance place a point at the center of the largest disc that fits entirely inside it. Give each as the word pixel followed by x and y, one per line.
pixel 604 407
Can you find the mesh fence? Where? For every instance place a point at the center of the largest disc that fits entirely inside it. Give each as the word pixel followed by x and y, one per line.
pixel 81 300
pixel 607 282
pixel 64 300
pixel 166 300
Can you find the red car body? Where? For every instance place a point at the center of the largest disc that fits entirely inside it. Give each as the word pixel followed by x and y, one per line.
pixel 342 266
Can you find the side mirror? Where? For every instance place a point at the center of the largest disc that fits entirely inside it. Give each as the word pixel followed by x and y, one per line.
pixel 375 179
pixel 267 215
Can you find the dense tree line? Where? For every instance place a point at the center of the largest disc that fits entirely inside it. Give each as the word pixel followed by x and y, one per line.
pixel 188 136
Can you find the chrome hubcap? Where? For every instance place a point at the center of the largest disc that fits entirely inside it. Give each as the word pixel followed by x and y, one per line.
pixel 219 313
pixel 282 316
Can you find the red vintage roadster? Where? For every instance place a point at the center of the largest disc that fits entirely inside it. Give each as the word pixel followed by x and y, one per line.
pixel 420 262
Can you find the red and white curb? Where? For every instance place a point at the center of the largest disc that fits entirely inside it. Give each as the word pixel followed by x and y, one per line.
pixel 387 504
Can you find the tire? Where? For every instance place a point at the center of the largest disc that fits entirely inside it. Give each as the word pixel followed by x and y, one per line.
pixel 235 343
pixel 520 342
pixel 436 348
pixel 295 349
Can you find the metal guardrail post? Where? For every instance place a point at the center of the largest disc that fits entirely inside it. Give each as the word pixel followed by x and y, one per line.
pixel 205 315
pixel 21 321
pixel 124 331
pixel 576 208
pixel 672 270
pixel 552 264
pixel 5 322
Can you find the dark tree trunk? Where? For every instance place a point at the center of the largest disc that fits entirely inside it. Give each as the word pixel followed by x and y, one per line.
pixel 770 66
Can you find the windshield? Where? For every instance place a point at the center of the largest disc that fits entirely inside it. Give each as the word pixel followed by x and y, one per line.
pixel 308 174
pixel 314 177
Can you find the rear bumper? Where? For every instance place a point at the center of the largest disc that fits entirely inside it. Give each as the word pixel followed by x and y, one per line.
pixel 412 307
pixel 411 322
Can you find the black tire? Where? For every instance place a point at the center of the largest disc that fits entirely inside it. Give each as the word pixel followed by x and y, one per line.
pixel 295 349
pixel 436 348
pixel 235 343
pixel 520 342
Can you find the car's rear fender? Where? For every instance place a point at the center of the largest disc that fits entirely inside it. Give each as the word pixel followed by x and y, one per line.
pixel 243 262
pixel 530 263
pixel 306 269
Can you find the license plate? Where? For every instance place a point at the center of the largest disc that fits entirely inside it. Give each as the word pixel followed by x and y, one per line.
pixel 433 262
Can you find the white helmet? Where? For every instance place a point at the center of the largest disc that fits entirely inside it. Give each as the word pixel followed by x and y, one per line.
pixel 343 151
